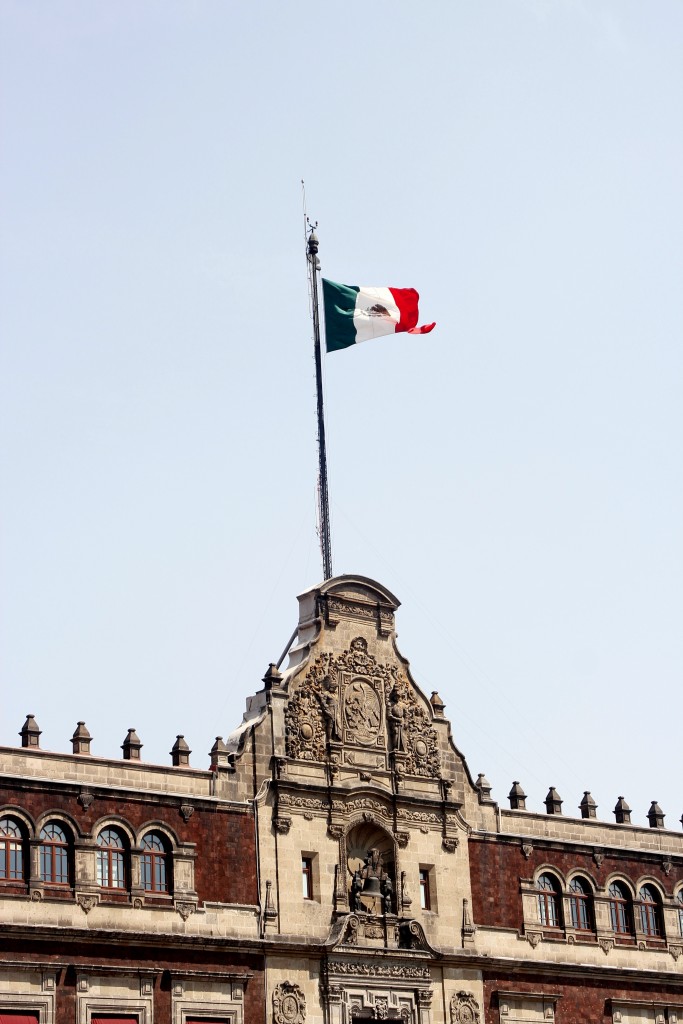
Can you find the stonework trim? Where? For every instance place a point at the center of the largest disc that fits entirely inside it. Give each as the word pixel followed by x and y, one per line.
pixel 372 969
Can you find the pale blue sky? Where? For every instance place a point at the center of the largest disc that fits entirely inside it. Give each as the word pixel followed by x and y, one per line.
pixel 514 477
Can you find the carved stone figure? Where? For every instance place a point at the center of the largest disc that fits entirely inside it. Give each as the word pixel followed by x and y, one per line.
pixel 388 891
pixel 397 720
pixel 356 889
pixel 329 702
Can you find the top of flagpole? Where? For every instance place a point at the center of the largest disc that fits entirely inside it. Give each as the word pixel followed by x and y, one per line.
pixel 323 499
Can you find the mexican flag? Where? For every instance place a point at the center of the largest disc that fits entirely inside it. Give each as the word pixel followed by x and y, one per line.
pixel 356 313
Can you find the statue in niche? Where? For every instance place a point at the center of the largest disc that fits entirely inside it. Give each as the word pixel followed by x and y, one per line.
pixel 329 702
pixel 397 720
pixel 356 889
pixel 388 891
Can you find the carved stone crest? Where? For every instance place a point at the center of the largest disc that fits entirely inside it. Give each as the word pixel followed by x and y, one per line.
pixel 185 909
pixel 533 938
pixel 186 810
pixel 86 902
pixel 289 1004
pixel 464 1009
pixel 675 951
pixel 527 849
pixel 606 945
pixel 85 797
pixel 282 824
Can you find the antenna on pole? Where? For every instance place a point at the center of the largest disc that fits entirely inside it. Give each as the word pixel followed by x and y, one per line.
pixel 323 500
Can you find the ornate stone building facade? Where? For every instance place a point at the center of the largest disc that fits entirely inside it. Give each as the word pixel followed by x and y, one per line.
pixel 336 863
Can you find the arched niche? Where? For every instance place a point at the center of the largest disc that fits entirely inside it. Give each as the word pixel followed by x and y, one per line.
pixel 369 865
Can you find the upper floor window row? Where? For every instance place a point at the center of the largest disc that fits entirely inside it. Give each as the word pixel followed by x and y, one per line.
pixel 576 907
pixel 55 857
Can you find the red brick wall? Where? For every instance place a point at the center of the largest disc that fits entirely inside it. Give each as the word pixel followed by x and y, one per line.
pixel 496 868
pixel 166 962
pixel 225 864
pixel 582 1002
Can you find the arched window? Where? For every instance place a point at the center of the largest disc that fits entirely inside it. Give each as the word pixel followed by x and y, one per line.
pixel 650 918
pixel 153 868
pixel 111 867
pixel 579 905
pixel 620 909
pixel 54 855
pixel 548 901
pixel 11 850
pixel 679 900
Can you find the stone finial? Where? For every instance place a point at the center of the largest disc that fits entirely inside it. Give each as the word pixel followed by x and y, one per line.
pixel 438 706
pixel 131 746
pixel 655 815
pixel 180 753
pixel 588 806
pixel 30 733
pixel 517 797
pixel 553 803
pixel 484 787
pixel 273 677
pixel 81 739
pixel 622 812
pixel 219 753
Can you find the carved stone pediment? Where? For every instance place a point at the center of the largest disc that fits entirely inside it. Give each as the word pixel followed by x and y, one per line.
pixel 368 708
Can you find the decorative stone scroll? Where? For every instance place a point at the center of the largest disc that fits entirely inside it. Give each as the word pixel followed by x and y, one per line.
pixel 289 1004
pixel 464 1009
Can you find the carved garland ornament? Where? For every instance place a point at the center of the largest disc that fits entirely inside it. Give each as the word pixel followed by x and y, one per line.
pixel 289 1004
pixel 372 969
pixel 353 698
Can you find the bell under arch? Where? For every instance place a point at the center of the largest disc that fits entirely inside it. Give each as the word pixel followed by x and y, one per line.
pixel 370 869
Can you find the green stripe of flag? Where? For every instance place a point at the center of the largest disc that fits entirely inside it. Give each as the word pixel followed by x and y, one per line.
pixel 340 305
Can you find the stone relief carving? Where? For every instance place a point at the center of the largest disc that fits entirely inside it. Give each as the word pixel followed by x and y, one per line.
pixel 533 938
pixel 606 945
pixel 289 1004
pixel 282 824
pixel 186 810
pixel 527 849
pixel 450 844
pixel 185 909
pixel 464 1009
pixel 361 803
pixel 304 802
pixel 86 902
pixel 421 817
pixel 355 699
pixel 675 951
pixel 85 797
pixel 377 969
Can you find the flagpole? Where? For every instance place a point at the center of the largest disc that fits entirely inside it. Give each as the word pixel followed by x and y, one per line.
pixel 323 500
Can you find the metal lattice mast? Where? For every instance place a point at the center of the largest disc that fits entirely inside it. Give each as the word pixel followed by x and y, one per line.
pixel 323 500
